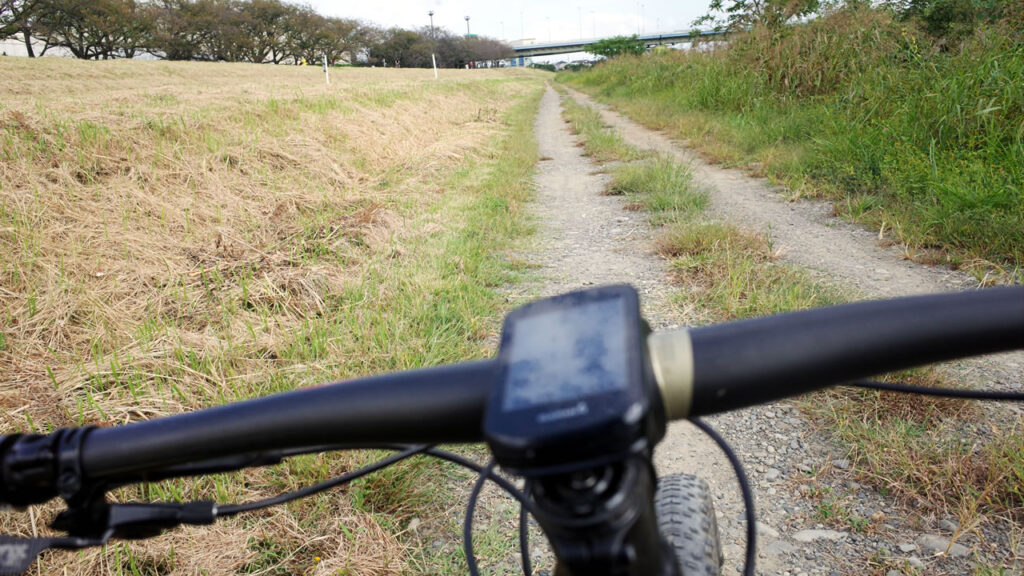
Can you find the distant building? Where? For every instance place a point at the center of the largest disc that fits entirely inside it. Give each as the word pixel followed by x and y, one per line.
pixel 518 61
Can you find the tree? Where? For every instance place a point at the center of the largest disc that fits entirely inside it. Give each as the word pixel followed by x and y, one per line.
pixel 264 26
pixel 12 15
pixel 413 48
pixel 191 30
pixel 951 21
pixel 745 14
pixel 304 34
pixel 129 28
pixel 401 48
pixel 92 29
pixel 19 17
pixel 343 36
pixel 617 45
pixel 450 49
pixel 487 49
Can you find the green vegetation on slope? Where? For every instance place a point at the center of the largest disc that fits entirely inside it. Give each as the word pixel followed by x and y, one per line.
pixel 861 108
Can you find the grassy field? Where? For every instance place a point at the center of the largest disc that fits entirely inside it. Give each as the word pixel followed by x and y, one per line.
pixel 180 235
pixel 921 143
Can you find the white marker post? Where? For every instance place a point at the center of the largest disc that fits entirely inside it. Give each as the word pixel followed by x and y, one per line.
pixel 434 60
pixel 327 75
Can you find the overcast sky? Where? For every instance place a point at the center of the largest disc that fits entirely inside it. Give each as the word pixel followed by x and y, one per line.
pixel 539 20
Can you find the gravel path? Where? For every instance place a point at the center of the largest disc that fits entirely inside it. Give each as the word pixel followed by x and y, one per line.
pixel 587 238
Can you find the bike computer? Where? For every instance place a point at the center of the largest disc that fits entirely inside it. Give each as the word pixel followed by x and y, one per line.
pixel 573 384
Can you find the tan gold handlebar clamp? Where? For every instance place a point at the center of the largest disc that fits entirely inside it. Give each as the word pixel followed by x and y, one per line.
pixel 672 362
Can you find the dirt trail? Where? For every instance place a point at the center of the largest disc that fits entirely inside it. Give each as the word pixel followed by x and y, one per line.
pixel 587 238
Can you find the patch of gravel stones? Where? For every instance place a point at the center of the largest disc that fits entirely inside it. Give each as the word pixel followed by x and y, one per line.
pixel 815 518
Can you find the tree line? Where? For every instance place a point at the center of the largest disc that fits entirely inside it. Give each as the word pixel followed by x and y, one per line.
pixel 260 31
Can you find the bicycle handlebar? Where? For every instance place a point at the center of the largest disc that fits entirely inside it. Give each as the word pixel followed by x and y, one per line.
pixel 436 405
pixel 700 371
pixel 728 366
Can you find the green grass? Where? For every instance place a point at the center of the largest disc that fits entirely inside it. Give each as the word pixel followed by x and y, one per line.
pixel 600 142
pixel 661 186
pixel 855 107
pixel 736 274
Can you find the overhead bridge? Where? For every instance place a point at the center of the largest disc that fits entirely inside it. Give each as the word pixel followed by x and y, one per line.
pixel 530 50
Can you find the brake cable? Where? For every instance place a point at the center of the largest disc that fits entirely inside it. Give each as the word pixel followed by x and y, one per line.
pixel 232 509
pixel 994 395
pixel 748 494
pixel 467 524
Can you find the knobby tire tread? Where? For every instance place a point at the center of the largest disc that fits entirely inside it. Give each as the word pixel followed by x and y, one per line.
pixel 686 517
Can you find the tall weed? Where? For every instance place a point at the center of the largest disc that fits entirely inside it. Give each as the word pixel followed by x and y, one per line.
pixel 819 57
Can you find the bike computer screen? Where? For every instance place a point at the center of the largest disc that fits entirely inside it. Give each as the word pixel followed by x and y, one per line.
pixel 566 354
pixel 571 381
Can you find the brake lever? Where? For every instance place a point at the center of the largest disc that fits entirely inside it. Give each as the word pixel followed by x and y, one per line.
pixel 131 521
pixel 134 521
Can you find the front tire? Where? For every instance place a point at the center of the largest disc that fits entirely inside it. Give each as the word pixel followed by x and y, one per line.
pixel 686 518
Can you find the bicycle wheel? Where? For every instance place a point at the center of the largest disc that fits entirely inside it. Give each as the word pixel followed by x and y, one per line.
pixel 686 517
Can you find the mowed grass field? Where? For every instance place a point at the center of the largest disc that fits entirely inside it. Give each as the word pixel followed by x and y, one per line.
pixel 181 235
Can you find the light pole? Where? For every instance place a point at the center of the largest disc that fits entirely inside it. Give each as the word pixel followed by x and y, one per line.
pixel 467 25
pixel 431 14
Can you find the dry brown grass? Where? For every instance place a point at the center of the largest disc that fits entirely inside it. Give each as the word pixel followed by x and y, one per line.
pixel 168 231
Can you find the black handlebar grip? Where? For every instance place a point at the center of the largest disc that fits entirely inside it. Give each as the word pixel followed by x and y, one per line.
pixel 755 361
pixel 28 469
pixel 35 468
